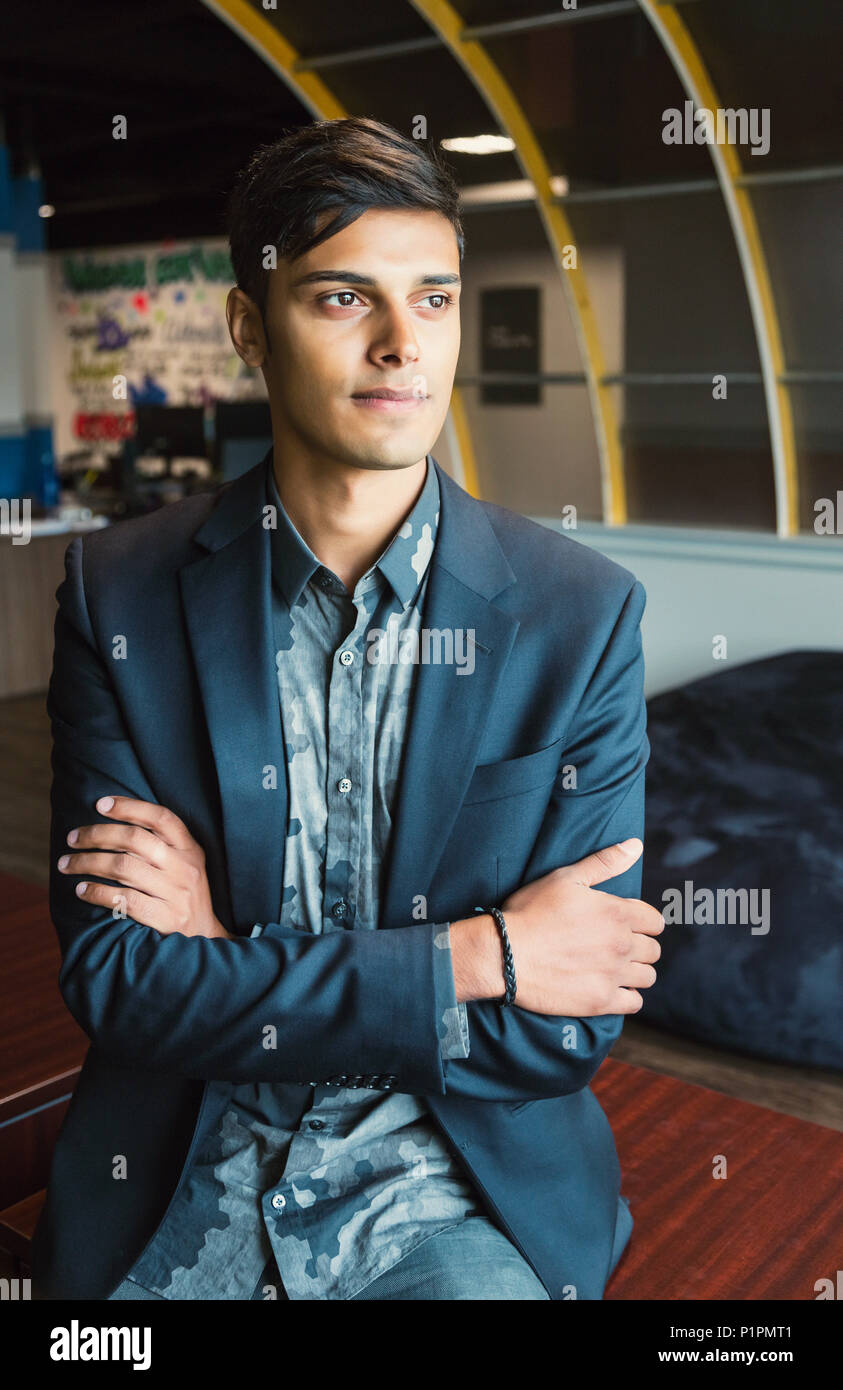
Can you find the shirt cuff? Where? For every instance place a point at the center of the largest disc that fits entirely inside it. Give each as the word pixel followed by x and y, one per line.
pixel 452 1017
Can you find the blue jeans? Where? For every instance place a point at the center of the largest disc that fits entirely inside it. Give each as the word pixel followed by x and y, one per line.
pixel 473 1260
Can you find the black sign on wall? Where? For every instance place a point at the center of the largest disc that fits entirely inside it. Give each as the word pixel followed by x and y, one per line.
pixel 509 342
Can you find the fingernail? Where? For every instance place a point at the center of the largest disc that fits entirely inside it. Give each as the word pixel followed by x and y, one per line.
pixel 72 836
pixel 80 888
pixel 105 803
pixel 64 861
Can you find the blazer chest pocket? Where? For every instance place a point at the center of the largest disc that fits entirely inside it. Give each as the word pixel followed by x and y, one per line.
pixel 491 781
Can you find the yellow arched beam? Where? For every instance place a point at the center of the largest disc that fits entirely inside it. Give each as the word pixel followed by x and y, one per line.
pixel 692 73
pixel 254 28
pixel 500 98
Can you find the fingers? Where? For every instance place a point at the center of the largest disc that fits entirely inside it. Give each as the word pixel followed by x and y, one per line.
pixel 125 868
pixel 150 912
pixel 643 917
pixel 644 948
pixel 132 838
pixel 159 819
pixel 626 1001
pixel 637 976
pixel 605 863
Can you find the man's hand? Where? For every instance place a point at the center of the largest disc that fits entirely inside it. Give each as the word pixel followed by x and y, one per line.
pixel 577 952
pixel 155 857
pixel 581 952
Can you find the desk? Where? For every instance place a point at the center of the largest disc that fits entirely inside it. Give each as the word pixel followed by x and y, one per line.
pixel 29 577
pixel 41 1045
pixel 769 1230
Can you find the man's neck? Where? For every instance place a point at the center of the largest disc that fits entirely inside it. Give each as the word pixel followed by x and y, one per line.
pixel 347 515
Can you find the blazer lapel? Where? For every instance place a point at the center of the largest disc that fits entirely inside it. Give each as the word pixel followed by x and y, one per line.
pixel 227 605
pixel 448 711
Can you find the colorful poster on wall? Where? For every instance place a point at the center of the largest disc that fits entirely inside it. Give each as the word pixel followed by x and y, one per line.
pixel 141 324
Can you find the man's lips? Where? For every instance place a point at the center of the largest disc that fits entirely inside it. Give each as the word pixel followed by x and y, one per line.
pixel 390 393
pixel 382 398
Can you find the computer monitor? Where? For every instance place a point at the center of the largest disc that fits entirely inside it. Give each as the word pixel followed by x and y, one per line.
pixel 174 431
pixel 243 433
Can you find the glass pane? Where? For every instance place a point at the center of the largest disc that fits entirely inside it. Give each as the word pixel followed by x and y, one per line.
pixel 594 94
pixel 537 459
pixel 818 426
pixel 692 460
pixel 684 305
pixel 333 25
pixel 801 227
pixel 781 55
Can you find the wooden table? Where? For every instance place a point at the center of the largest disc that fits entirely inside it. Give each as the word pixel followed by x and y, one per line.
pixel 41 1045
pixel 769 1230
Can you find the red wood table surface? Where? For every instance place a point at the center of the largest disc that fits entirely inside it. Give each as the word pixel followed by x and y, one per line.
pixel 41 1045
pixel 769 1230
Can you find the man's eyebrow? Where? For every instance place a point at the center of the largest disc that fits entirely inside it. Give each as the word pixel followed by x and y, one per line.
pixel 352 277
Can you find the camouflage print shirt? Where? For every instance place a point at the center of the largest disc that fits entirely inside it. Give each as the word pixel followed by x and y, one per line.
pixel 330 1199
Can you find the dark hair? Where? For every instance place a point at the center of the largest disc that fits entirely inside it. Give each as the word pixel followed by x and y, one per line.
pixel 348 166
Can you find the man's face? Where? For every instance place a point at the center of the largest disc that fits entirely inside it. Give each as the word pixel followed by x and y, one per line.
pixel 374 307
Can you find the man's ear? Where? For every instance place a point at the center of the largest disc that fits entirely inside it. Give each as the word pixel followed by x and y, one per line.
pixel 246 328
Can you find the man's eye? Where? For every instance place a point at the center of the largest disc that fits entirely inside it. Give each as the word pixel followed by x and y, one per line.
pixel 337 294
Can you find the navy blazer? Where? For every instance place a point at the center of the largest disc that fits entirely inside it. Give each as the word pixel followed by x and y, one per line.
pixel 183 712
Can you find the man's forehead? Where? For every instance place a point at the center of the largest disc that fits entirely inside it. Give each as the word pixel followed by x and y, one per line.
pixel 399 236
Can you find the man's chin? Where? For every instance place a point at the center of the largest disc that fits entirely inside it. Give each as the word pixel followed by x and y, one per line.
pixel 385 453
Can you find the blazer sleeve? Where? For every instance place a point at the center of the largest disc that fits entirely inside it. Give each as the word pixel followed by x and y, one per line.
pixel 516 1054
pixel 286 1006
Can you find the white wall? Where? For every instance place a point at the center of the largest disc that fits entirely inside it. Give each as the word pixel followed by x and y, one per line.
pixel 764 595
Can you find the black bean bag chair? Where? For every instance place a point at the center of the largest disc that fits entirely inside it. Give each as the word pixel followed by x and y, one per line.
pixel 745 792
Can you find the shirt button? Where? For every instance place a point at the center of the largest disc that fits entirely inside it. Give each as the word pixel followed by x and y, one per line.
pixel 344 785
pixel 279 1201
pixel 316 1124
pixel 339 908
pixel 346 657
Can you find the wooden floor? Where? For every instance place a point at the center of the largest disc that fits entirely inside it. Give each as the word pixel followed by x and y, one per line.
pixel 808 1093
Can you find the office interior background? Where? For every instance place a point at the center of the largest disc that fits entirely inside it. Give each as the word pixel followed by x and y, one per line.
pixel 651 362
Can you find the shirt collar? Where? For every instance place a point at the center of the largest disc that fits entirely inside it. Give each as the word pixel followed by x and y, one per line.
pixel 403 562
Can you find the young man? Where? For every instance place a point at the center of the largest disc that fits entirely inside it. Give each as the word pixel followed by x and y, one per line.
pixel 352 706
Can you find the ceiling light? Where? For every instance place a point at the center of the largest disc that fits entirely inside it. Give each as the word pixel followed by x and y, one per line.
pixel 479 144
pixel 510 191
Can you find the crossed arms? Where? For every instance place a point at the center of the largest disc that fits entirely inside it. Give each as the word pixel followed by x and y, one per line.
pixel 355 1002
